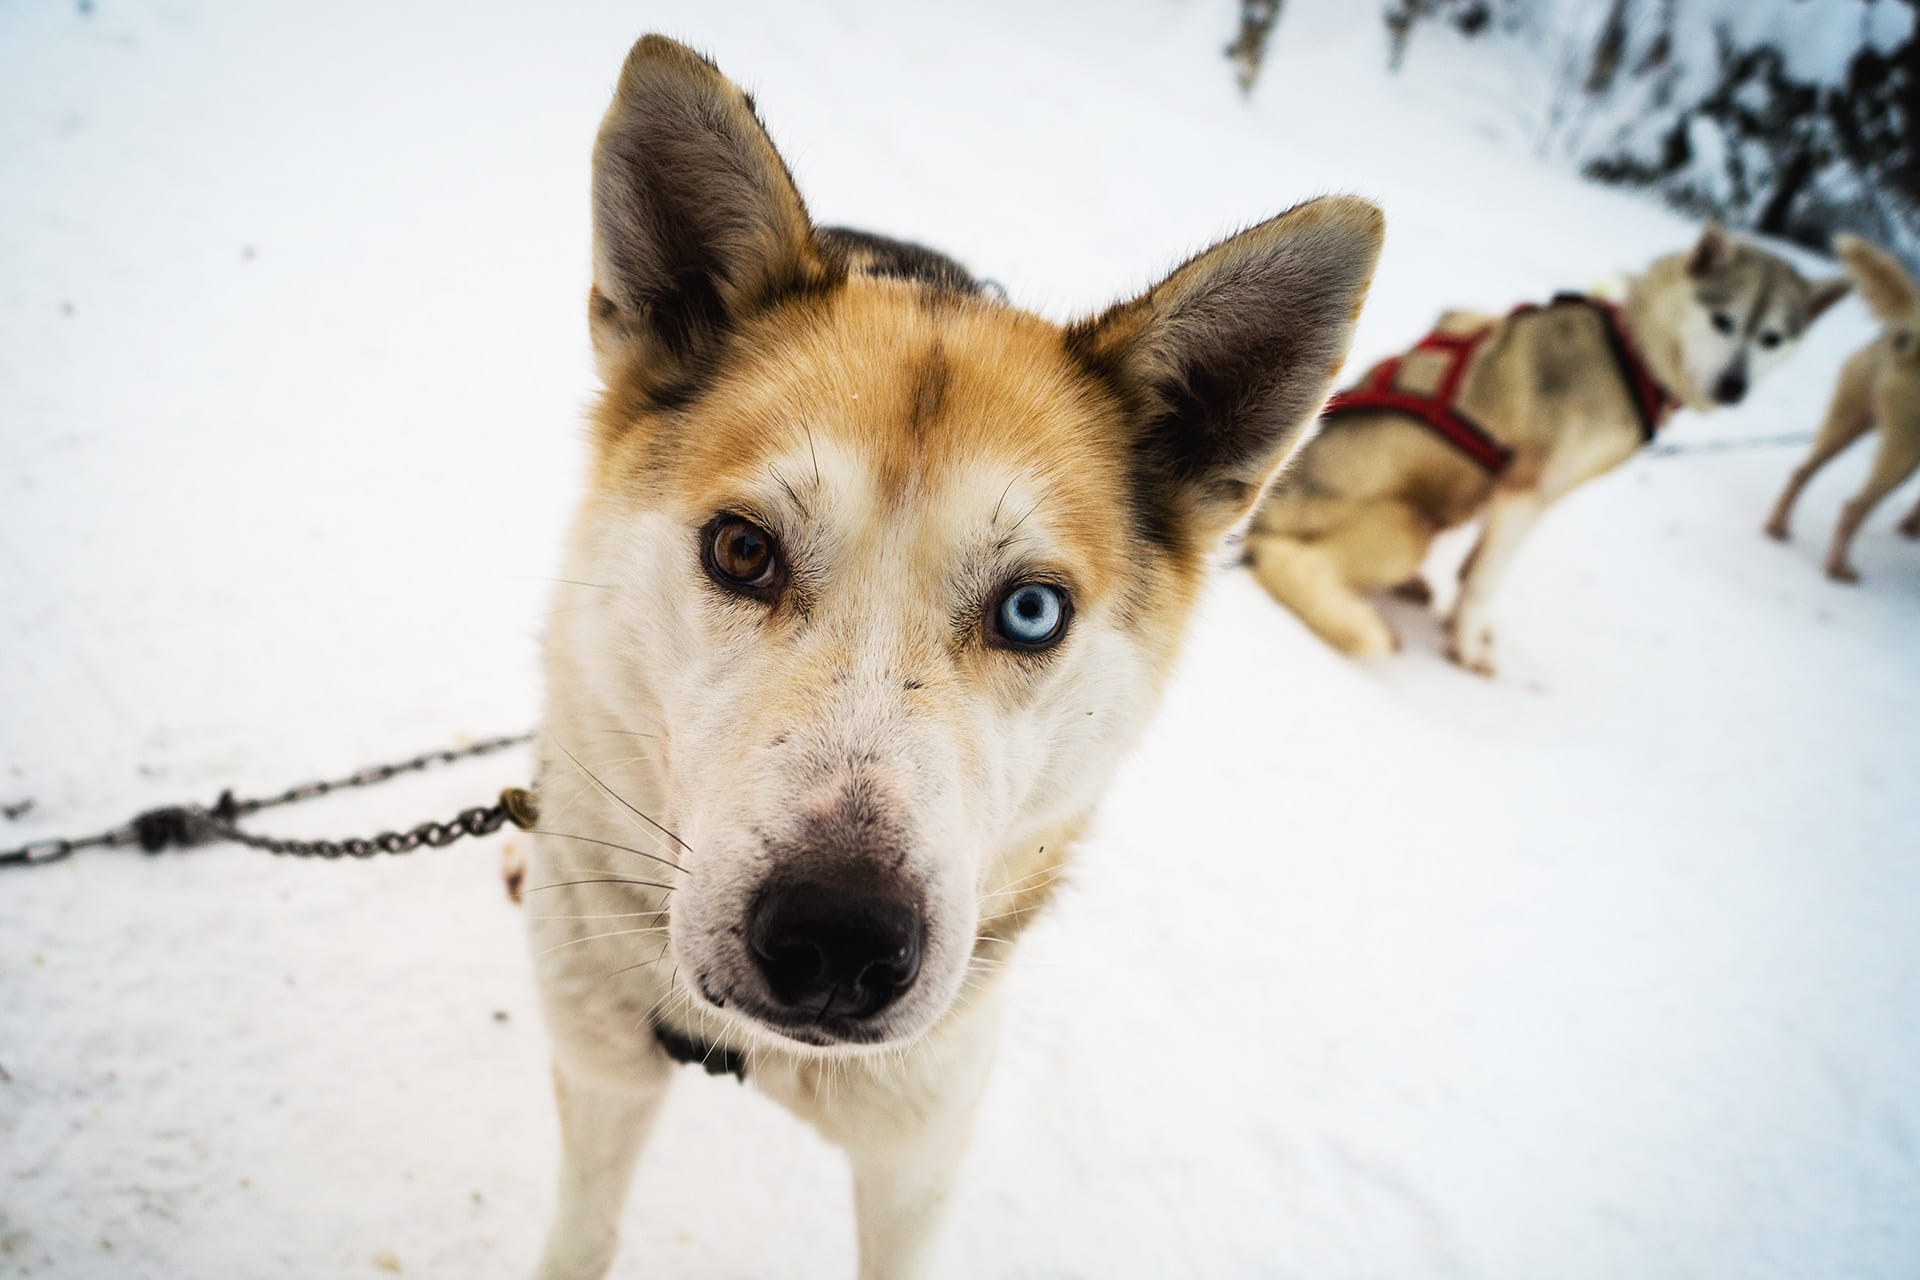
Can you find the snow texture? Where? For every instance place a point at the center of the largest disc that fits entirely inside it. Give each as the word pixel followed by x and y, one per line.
pixel 1606 968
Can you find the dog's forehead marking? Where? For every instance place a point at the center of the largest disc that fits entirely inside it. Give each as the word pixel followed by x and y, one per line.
pixel 1762 291
pixel 918 416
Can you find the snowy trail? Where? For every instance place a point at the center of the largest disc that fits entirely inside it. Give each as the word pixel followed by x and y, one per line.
pixel 1607 968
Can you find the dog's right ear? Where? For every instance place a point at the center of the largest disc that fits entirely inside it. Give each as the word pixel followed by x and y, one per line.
pixel 696 222
pixel 1712 251
pixel 1885 287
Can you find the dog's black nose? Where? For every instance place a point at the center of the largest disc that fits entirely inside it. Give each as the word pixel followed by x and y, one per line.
pixel 828 951
pixel 1731 388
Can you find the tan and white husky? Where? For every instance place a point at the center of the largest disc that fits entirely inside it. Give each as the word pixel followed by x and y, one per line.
pixel 1550 392
pixel 875 580
pixel 1879 389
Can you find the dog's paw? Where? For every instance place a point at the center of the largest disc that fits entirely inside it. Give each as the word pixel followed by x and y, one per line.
pixel 1776 529
pixel 1375 640
pixel 1910 527
pixel 1840 571
pixel 1472 650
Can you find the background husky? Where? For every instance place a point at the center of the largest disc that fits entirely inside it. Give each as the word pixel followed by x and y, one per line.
pixel 893 573
pixel 1362 502
pixel 1879 388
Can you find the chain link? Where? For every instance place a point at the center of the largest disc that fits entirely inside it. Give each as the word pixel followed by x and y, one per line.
pixel 186 825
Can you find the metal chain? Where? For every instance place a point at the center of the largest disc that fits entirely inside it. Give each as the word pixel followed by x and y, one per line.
pixel 1741 444
pixel 186 825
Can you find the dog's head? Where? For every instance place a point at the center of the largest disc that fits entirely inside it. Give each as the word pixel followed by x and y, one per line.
pixel 1735 312
pixel 896 570
pixel 1888 291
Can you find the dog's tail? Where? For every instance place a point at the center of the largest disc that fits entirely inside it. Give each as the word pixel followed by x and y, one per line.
pixel 1885 286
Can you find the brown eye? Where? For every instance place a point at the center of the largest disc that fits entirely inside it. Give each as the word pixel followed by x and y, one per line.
pixel 741 556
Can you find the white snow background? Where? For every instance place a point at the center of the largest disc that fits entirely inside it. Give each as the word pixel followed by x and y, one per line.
pixel 1607 968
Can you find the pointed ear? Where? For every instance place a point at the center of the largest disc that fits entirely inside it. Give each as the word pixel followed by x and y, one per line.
pixel 1885 286
pixel 1225 361
pixel 696 222
pixel 1824 294
pixel 1712 251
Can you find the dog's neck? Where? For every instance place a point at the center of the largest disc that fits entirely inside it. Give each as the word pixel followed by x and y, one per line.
pixel 1654 335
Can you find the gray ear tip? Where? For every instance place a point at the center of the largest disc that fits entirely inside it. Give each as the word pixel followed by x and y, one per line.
pixel 1349 226
pixel 655 58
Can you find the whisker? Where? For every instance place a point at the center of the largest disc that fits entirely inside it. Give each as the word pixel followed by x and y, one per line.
pixel 617 796
pixel 651 884
pixel 563 835
pixel 1026 885
pixel 1003 498
pixel 1044 873
pixel 643 964
pixel 782 482
pixel 595 937
pixel 603 915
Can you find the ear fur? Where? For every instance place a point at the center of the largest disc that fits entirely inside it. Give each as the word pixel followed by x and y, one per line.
pixel 1885 286
pixel 696 221
pixel 1227 359
pixel 1712 251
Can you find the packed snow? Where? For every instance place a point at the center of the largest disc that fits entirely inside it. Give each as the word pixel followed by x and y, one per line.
pixel 1607 967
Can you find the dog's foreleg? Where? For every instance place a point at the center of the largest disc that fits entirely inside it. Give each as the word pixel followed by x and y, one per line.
pixel 904 1123
pixel 1511 515
pixel 900 1195
pixel 602 1128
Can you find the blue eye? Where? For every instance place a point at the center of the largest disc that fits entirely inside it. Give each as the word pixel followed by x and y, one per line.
pixel 1032 615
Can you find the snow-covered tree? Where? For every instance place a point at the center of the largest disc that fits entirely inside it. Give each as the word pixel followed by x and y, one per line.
pixel 1793 117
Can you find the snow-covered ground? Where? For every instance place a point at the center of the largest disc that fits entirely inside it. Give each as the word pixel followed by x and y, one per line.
pixel 1607 968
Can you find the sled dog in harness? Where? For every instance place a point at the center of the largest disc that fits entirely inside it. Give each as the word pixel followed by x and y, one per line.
pixel 1495 418
pixel 1439 410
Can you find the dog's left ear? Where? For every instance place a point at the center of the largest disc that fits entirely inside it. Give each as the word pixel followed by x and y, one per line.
pixel 1225 361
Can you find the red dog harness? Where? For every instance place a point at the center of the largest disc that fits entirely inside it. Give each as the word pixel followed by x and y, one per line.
pixel 1651 401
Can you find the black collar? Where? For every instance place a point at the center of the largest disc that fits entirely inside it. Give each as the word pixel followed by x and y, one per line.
pixel 715 1060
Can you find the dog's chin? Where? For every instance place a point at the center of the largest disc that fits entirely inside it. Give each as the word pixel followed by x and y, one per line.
pixel 771 1027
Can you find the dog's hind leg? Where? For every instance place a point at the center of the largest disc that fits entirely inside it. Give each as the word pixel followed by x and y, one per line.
pixel 1897 458
pixel 1306 577
pixel 1910 523
pixel 602 1128
pixel 1849 416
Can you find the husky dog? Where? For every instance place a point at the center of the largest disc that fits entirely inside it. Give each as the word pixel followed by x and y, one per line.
pixel 1547 398
pixel 875 580
pixel 1878 388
